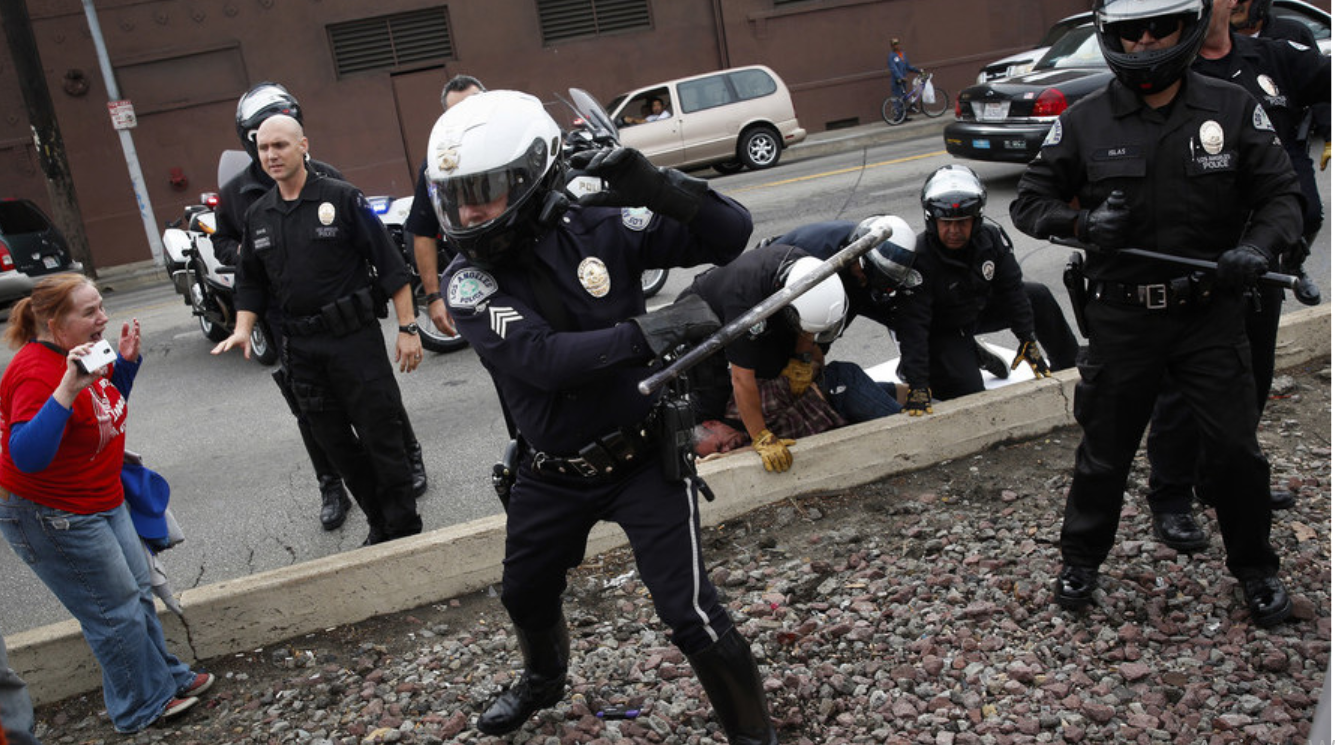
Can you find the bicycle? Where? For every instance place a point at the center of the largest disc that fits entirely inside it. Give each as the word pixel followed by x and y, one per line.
pixel 895 109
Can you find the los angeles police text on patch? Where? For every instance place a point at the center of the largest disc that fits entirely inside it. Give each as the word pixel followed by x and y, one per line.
pixel 469 289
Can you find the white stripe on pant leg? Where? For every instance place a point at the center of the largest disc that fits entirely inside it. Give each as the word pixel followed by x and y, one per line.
pixel 695 564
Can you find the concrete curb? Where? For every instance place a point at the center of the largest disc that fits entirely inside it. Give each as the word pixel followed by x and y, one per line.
pixel 266 608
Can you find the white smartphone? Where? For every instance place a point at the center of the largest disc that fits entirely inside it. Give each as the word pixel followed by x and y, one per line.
pixel 100 355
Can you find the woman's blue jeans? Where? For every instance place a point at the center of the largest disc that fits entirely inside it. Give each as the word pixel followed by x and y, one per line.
pixel 857 398
pixel 95 566
pixel 15 705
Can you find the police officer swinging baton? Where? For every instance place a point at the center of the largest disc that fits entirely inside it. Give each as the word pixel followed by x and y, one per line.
pixel 765 308
pixel 1276 279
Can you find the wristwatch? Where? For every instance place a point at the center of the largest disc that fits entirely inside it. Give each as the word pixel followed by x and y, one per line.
pixel 432 297
pixel 411 328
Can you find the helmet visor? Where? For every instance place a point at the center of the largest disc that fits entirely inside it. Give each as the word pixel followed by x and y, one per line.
pixel 512 181
pixel 1158 27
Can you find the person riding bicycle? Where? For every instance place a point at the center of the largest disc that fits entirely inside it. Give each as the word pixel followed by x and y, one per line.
pixel 900 67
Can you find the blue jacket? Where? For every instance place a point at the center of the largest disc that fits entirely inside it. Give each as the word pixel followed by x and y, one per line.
pixel 899 65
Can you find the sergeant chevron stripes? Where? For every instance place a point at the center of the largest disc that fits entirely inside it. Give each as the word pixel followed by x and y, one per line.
pixel 501 318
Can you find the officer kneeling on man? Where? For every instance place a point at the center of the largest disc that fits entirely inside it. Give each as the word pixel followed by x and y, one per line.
pixel 549 296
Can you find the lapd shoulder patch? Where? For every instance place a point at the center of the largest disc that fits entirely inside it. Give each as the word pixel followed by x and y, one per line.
pixel 469 288
pixel 1261 121
pixel 636 218
pixel 1054 135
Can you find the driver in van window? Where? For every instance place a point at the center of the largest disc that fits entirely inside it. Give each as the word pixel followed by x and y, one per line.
pixel 653 111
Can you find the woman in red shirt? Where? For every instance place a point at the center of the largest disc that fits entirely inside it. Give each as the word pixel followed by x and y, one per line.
pixel 62 509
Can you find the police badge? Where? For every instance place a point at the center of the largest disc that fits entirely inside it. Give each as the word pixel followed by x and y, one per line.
pixel 593 277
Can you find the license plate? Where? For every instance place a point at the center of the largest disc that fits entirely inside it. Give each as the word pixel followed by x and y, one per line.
pixel 996 111
pixel 982 145
pixel 50 262
pixel 1014 145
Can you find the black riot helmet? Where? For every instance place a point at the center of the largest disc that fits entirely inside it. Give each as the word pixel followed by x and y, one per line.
pixel 1151 71
pixel 950 193
pixel 1257 12
pixel 259 103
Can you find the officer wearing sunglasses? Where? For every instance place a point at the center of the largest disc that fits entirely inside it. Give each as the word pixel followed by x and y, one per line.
pixel 1169 160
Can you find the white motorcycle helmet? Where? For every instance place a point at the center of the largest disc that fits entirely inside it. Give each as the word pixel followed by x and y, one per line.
pixel 889 266
pixel 821 309
pixel 493 146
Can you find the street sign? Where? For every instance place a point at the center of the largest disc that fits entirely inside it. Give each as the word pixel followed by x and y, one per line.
pixel 122 114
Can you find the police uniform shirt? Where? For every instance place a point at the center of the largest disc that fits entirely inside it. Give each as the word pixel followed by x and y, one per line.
pixel 566 387
pixel 1284 77
pixel 956 286
pixel 422 219
pixel 825 239
pixel 734 289
pixel 235 198
pixel 1194 174
pixel 314 250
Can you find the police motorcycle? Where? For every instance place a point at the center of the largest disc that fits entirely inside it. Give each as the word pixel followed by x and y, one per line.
pixel 204 283
pixel 593 130
pixel 393 213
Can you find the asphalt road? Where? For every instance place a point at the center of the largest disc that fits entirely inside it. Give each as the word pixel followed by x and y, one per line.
pixel 242 486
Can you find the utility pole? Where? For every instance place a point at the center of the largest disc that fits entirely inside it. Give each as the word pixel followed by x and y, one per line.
pixel 151 226
pixel 45 130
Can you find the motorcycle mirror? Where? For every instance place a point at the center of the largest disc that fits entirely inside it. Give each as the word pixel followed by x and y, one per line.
pixel 593 114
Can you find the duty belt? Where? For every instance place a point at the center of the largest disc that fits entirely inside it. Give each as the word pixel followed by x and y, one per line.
pixel 1179 292
pixel 304 325
pixel 604 456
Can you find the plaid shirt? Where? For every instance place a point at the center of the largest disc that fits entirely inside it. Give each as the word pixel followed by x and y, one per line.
pixel 791 417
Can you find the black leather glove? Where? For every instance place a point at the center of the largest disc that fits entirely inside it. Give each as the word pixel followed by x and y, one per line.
pixel 1239 267
pixel 919 401
pixel 687 320
pixel 632 181
pixel 1029 352
pixel 1106 225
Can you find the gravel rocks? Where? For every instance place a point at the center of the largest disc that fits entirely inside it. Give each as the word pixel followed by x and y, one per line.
pixel 913 611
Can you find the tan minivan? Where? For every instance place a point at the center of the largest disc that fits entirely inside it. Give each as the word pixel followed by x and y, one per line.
pixel 730 119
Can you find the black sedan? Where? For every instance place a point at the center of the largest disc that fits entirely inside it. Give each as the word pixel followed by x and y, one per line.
pixel 1007 120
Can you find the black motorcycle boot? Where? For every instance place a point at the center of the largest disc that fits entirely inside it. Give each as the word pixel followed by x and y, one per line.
pixel 334 502
pixel 542 684
pixel 990 363
pixel 417 468
pixel 729 675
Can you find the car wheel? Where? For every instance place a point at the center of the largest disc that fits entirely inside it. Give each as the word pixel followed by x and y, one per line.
pixel 759 148
pixel 729 167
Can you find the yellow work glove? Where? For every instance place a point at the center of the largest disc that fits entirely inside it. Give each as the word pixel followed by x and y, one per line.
pixel 919 401
pixel 800 375
pixel 1325 156
pixel 773 451
pixel 1029 352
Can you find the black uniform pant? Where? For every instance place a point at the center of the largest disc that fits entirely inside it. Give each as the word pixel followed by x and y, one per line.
pixel 953 352
pixel 547 530
pixel 324 468
pixel 346 389
pixel 1174 443
pixel 1204 349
